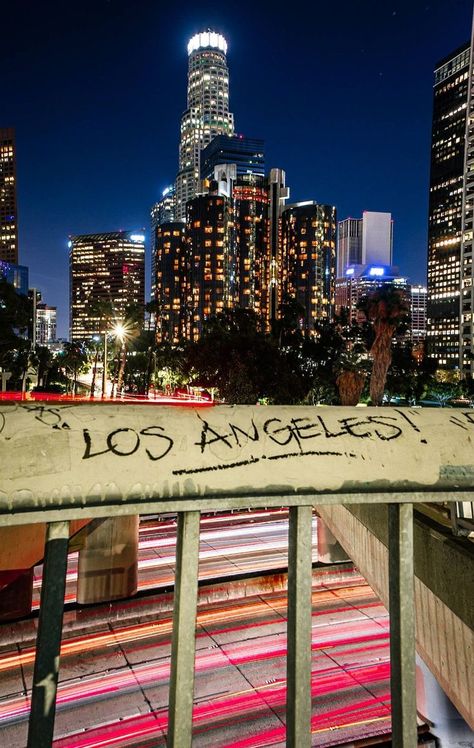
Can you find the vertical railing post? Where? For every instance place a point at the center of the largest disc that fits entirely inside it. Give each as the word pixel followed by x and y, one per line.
pixel 48 640
pixel 183 644
pixel 402 625
pixel 298 666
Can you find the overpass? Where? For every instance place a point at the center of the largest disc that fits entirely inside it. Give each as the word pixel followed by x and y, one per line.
pixel 363 470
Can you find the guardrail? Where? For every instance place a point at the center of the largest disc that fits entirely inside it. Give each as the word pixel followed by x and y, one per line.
pixel 74 461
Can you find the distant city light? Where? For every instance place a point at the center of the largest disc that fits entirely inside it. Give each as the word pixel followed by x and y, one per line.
pixel 350 271
pixel 166 191
pixel 207 39
pixel 137 237
pixel 377 271
pixel 69 244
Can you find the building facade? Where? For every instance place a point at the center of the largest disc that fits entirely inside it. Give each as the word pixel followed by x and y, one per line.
pixel 104 267
pixel 8 197
pixel 418 299
pixel 308 259
pixel 252 263
pixel 170 283
pixel 466 311
pixel 445 221
pixel 248 154
pixel 207 114
pixel 360 280
pixel 46 320
pixel 211 277
pixel 364 240
pixel 16 275
pixel 161 212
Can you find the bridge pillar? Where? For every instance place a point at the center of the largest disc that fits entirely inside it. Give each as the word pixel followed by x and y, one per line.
pixel 449 726
pixel 108 561
pixel 329 550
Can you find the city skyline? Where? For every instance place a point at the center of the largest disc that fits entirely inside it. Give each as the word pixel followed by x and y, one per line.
pixel 104 174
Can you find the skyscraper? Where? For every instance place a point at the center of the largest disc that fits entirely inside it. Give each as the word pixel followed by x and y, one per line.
pixel 466 352
pixel 170 284
pixel 445 222
pixel 104 267
pixel 45 324
pixel 364 240
pixel 278 194
pixel 418 313
pixel 211 268
pixel 309 259
pixel 161 212
pixel 248 154
pixel 8 202
pixel 252 262
pixel 207 113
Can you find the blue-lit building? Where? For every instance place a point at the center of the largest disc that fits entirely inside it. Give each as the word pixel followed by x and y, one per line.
pixel 17 275
pixel 248 154
pixel 361 279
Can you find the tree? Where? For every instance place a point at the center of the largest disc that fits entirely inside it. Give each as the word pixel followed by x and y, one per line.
pixel 15 314
pixel 131 326
pixel 351 370
pixel 74 360
pixel 103 310
pixel 236 357
pixel 387 309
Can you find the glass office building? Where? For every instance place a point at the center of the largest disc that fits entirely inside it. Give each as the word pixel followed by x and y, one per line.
pixel 246 153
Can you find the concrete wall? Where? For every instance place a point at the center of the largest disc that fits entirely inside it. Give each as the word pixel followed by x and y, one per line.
pixel 444 576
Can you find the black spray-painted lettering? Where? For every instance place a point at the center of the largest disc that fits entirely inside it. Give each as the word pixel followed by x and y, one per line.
pixel 124 447
pixel 205 441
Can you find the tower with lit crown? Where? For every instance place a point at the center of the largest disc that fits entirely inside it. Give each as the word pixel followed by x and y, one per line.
pixel 207 113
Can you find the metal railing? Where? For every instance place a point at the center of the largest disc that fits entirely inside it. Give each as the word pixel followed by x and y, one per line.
pixel 462 518
pixel 221 459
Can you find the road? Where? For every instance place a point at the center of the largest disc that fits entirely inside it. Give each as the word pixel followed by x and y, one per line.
pixel 114 679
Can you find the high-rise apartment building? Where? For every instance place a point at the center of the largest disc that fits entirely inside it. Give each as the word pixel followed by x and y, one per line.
pixel 104 267
pixel 161 212
pixel 46 317
pixel 452 82
pixel 8 200
pixel 309 259
pixel 211 269
pixel 248 154
pixel 364 240
pixel 466 348
pixel 207 114
pixel 252 261
pixel 170 283
pixel 278 194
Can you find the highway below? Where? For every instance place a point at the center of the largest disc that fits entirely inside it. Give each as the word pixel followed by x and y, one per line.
pixel 114 675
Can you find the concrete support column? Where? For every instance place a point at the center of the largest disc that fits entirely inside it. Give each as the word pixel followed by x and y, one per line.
pixel 108 561
pixel 448 725
pixel 329 550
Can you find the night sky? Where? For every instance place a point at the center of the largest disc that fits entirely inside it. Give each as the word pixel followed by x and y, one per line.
pixel 341 92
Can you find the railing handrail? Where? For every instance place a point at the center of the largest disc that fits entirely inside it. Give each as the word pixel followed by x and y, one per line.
pixel 85 461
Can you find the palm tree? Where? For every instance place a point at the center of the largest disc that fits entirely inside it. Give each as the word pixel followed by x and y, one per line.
pixel 387 308
pixel 351 371
pixel 103 310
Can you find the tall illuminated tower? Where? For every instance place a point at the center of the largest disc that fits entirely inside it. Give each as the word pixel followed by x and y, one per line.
pixel 8 208
pixel 207 113
pixel 452 81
